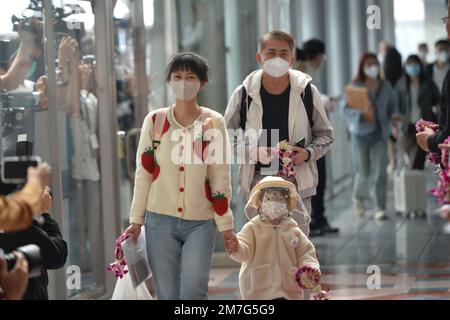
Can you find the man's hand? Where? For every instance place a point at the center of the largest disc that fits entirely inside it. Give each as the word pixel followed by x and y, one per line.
pixel 46 200
pixel 85 71
pixel 301 155
pixel 230 241
pixel 67 51
pixel 422 139
pixel 14 283
pixel 41 87
pixel 40 174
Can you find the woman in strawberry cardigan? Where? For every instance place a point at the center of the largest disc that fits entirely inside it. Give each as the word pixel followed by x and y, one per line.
pixel 180 195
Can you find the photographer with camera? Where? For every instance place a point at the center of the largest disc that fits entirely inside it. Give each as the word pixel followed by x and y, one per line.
pixel 13 284
pixel 18 209
pixel 27 54
pixel 45 233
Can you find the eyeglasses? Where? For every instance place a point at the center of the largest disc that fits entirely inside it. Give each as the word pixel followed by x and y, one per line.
pixel 444 20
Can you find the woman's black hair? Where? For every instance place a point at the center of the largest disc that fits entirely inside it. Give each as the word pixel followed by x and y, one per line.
pixel 393 66
pixel 313 48
pixel 422 75
pixel 189 61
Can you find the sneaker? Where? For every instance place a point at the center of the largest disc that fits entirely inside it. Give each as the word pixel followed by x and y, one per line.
pixel 359 207
pixel 380 215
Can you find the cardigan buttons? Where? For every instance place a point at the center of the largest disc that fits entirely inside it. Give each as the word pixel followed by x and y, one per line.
pixel 180 210
pixel 181 169
pixel 181 189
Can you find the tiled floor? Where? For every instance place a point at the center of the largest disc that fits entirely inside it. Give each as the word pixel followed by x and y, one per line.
pixel 413 255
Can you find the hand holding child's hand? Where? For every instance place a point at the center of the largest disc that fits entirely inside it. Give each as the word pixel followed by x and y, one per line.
pixel 230 241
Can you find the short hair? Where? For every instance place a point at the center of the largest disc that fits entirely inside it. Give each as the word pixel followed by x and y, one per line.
pixel 276 35
pixel 313 48
pixel 300 54
pixel 189 61
pixel 442 42
pixel 423 46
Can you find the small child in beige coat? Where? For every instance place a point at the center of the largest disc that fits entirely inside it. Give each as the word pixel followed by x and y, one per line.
pixel 271 246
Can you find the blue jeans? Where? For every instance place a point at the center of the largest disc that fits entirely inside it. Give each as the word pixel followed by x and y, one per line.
pixel 370 161
pixel 180 253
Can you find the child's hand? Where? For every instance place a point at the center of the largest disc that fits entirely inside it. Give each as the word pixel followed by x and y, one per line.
pixel 308 277
pixel 230 241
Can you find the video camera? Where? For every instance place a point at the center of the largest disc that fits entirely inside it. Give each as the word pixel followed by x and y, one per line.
pixel 14 106
pixel 31 253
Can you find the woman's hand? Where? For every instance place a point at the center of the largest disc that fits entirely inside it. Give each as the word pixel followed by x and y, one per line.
pixel 368 115
pixel 230 241
pixel 134 230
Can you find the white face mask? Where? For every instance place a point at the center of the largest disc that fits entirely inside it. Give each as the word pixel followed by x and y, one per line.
pixel 273 210
pixel 185 90
pixel 423 55
pixel 372 72
pixel 443 57
pixel 276 67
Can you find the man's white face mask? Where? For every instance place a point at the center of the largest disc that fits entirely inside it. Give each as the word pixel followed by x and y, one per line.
pixel 276 67
pixel 185 90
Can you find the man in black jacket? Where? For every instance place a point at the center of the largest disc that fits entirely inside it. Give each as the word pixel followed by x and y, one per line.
pixel 429 140
pixel 47 236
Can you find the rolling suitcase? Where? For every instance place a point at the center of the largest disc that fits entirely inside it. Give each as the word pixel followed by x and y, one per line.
pixel 410 191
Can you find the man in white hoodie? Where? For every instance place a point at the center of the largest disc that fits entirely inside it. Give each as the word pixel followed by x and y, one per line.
pixel 279 100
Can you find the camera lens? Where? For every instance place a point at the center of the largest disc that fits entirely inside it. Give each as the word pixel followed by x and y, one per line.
pixel 32 254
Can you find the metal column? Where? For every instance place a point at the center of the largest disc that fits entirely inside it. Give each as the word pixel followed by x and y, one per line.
pixel 109 159
pixel 140 66
pixel 57 279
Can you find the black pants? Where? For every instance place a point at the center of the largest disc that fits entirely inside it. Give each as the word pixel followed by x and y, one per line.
pixel 318 201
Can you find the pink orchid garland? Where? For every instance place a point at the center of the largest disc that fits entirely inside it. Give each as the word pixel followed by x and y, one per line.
pixel 286 154
pixel 306 281
pixel 433 158
pixel 118 267
pixel 442 191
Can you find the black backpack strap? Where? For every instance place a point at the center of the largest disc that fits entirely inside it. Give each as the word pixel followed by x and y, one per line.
pixel 246 100
pixel 308 102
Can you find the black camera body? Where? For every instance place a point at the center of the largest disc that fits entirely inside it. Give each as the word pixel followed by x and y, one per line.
pixel 32 253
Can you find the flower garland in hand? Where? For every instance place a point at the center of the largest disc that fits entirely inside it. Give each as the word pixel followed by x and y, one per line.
pixel 287 154
pixel 118 266
pixel 308 278
pixel 442 192
pixel 434 158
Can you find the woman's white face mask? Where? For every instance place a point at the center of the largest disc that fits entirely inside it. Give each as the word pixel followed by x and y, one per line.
pixel 276 67
pixel 372 72
pixel 185 90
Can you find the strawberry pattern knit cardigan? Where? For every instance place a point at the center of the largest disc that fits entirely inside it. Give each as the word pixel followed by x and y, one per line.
pixel 187 186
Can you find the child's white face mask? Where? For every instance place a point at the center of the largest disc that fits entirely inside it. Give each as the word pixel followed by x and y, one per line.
pixel 274 210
